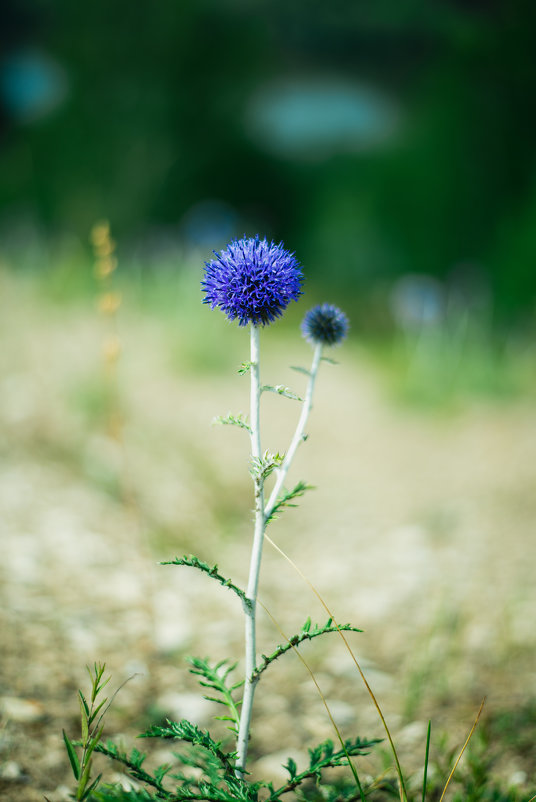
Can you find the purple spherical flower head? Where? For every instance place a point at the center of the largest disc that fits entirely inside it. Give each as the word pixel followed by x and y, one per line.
pixel 325 325
pixel 252 280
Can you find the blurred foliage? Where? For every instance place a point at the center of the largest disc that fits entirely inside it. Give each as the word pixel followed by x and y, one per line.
pixel 154 122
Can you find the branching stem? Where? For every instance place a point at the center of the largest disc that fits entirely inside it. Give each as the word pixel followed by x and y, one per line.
pixel 298 434
pixel 262 515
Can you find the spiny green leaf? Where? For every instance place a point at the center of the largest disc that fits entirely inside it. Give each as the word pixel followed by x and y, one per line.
pixel 233 420
pixel 195 562
pixel 186 731
pixel 291 767
pixel 307 632
pixel 262 467
pixel 287 498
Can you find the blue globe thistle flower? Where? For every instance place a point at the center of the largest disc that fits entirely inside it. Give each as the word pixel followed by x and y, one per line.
pixel 325 325
pixel 252 280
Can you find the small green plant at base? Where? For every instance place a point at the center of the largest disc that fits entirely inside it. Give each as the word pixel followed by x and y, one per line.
pixel 92 718
pixel 252 281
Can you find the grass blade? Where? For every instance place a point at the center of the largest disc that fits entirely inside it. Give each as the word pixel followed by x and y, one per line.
pixel 464 747
pixel 402 785
pixel 73 757
pixel 426 757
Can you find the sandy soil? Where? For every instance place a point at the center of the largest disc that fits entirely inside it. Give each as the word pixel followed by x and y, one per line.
pixel 421 531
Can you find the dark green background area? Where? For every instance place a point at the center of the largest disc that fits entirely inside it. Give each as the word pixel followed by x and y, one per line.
pixel 154 122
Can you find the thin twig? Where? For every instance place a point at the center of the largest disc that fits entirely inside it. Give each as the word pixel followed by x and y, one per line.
pixel 464 747
pixel 403 792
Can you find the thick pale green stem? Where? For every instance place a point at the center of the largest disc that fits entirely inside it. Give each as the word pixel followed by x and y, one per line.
pixel 255 563
pixel 261 516
pixel 298 434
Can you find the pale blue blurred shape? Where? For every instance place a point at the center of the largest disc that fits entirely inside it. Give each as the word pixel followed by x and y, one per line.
pixel 209 223
pixel 304 118
pixel 417 302
pixel 32 85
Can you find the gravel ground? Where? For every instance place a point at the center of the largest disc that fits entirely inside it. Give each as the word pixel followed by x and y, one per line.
pixel 421 531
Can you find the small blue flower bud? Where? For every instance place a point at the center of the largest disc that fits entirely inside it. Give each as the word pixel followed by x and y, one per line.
pixel 252 280
pixel 325 324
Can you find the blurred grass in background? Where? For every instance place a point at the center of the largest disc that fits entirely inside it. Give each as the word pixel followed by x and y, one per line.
pixel 375 140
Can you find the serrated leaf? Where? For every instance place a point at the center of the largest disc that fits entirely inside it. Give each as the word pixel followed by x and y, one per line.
pixel 291 767
pixel 232 420
pixel 280 389
pixel 287 498
pixel 73 757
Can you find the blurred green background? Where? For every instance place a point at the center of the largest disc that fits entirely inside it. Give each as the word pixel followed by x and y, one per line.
pixel 391 145
pixel 376 139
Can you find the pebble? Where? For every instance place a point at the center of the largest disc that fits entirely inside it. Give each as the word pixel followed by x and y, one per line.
pixel 23 711
pixel 271 767
pixel 10 770
pixel 191 706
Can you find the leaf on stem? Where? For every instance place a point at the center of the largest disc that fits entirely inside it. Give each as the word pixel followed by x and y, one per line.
pixel 262 467
pixel 329 360
pixel 212 571
pixel 233 420
pixel 186 731
pixel 299 369
pixel 307 632
pixel 280 389
pixel 215 677
pixel 287 497
pixel 322 757
pixel 73 757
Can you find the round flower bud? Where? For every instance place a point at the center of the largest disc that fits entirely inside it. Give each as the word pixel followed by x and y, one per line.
pixel 252 280
pixel 325 325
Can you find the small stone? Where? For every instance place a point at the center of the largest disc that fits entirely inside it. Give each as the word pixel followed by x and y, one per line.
pixel 518 778
pixel 10 770
pixel 23 711
pixel 191 706
pixel 62 794
pixel 271 768
pixel 413 733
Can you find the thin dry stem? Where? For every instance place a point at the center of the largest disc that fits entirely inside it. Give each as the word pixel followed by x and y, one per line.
pixel 402 787
pixel 464 747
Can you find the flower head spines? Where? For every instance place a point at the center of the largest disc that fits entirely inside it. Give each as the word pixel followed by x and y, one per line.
pixel 325 324
pixel 252 280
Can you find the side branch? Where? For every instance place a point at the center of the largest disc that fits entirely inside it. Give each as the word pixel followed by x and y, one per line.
pixel 212 571
pixel 307 633
pixel 299 435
